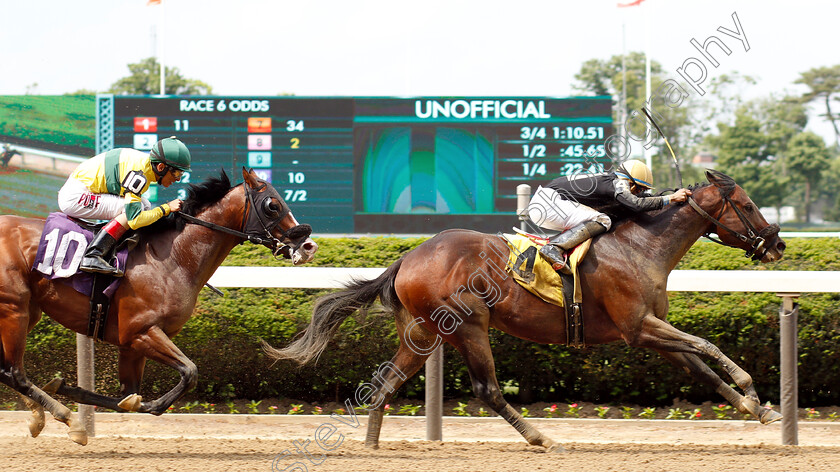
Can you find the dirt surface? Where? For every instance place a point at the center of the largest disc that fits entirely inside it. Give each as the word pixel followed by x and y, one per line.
pixel 206 443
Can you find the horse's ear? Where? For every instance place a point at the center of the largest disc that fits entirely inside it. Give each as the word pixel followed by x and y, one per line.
pixel 720 180
pixel 250 177
pixel 715 177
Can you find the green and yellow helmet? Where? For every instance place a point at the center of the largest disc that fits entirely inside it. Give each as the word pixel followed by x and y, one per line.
pixel 637 171
pixel 172 152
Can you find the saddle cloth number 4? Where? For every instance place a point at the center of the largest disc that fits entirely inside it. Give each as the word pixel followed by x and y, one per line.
pixel 56 253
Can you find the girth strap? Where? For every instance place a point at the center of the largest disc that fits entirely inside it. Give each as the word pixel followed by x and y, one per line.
pixel 100 304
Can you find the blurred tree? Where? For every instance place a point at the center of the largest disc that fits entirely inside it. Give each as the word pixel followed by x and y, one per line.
pixel 781 119
pixel 726 95
pixel 605 77
pixel 830 190
pixel 145 80
pixel 823 84
pixel 807 159
pixel 743 151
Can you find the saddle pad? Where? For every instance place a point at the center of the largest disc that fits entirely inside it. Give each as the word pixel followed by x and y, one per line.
pixel 532 271
pixel 538 277
pixel 60 252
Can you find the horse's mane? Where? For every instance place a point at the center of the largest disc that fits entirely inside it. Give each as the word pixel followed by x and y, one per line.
pixel 621 214
pixel 199 197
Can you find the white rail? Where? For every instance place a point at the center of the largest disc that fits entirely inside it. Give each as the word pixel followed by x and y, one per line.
pixel 45 161
pixel 799 281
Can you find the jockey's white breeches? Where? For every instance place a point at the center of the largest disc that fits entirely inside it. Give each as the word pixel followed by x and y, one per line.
pixel 76 200
pixel 548 209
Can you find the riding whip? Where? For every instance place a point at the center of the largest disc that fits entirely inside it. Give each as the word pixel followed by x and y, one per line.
pixel 674 156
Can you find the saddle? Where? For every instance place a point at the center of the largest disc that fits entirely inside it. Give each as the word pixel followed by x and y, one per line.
pixel 536 275
pixel 63 243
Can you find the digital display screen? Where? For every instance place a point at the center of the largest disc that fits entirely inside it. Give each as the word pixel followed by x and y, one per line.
pixel 374 165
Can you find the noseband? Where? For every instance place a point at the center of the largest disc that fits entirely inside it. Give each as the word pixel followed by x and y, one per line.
pixel 256 229
pixel 756 239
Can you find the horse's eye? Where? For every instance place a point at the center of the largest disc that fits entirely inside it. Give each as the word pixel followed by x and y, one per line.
pixel 749 208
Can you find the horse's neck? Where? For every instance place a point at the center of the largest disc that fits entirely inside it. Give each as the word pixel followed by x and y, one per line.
pixel 667 236
pixel 199 251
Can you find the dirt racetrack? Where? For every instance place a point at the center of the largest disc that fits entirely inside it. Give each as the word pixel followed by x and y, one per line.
pixel 210 443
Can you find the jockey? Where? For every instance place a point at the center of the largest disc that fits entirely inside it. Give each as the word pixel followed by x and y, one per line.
pixel 110 186
pixel 7 154
pixel 573 205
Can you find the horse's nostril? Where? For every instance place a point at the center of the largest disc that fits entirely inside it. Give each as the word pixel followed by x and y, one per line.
pixel 309 246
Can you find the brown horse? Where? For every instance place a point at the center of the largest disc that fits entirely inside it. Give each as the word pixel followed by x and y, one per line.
pixel 454 286
pixel 165 273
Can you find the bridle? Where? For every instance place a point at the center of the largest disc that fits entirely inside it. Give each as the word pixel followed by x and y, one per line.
pixel 256 229
pixel 754 238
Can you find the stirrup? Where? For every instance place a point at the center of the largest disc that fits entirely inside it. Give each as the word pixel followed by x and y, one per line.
pixel 100 266
pixel 558 259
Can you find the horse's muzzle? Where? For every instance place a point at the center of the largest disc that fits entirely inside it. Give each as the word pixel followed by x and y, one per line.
pixel 768 246
pixel 305 252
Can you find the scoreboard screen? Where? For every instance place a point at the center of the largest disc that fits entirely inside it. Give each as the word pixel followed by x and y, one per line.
pixel 373 165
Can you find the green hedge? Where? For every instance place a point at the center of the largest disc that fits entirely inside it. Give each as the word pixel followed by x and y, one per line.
pixel 222 339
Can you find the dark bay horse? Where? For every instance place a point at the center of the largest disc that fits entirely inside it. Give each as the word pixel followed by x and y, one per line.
pixel 165 273
pixel 454 286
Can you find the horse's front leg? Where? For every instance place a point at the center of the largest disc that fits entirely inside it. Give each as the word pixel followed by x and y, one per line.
pixel 702 373
pixel 156 345
pixel 658 334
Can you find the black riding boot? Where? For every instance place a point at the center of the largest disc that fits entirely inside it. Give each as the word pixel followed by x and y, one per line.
pixel 98 253
pixel 568 240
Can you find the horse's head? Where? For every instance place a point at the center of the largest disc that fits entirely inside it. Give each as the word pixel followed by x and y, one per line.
pixel 737 220
pixel 270 222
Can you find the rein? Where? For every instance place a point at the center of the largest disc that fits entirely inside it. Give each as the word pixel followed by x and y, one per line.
pixel 224 229
pixel 753 238
pixel 255 229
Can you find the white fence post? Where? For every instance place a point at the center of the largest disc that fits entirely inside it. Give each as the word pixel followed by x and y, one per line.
pixel 85 372
pixel 789 359
pixel 434 395
pixel 523 197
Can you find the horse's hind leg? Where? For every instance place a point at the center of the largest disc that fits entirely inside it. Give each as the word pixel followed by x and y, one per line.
pixel 130 372
pixel 22 385
pixel 37 420
pixel 416 346
pixel 475 349
pixel 702 373
pixel 80 395
pixel 13 333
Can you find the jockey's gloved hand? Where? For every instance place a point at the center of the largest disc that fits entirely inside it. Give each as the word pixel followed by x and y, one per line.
pixel 175 205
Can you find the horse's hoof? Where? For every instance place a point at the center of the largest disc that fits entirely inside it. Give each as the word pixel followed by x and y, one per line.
pixel 131 402
pixel 769 416
pixel 36 423
pixel 53 385
pixel 556 448
pixel 372 445
pixel 77 432
pixel 749 405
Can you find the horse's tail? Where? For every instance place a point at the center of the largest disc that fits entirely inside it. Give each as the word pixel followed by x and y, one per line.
pixel 332 309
